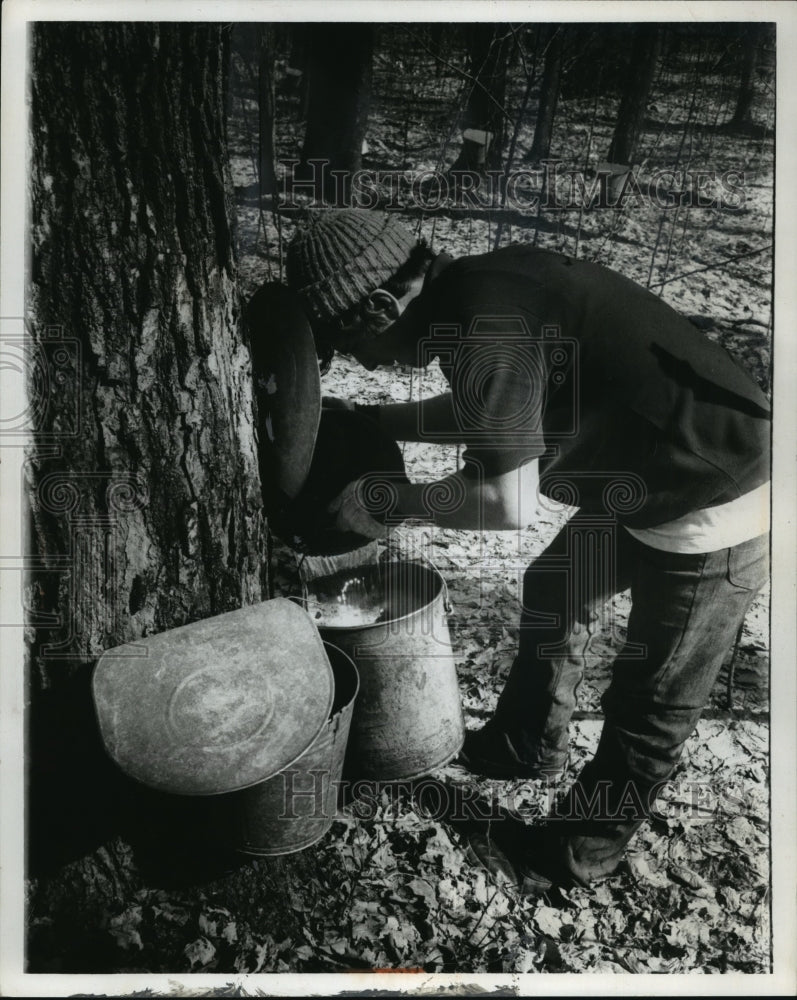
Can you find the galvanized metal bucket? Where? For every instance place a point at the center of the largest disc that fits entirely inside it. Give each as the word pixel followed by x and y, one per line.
pixel 185 838
pixel 408 717
pixel 295 808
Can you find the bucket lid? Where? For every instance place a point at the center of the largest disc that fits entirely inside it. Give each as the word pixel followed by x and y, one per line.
pixel 287 386
pixel 217 705
pixel 307 455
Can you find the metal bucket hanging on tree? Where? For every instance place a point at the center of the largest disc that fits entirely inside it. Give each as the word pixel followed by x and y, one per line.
pixel 308 453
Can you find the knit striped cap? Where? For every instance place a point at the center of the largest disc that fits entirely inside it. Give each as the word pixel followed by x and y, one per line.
pixel 342 255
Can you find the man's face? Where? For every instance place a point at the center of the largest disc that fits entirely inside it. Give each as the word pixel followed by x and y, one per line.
pixel 365 336
pixel 371 335
pixel 357 340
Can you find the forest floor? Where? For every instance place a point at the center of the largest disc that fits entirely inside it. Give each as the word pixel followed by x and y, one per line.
pixel 387 888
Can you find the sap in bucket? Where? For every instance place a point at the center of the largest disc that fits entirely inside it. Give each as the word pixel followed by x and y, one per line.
pixel 391 619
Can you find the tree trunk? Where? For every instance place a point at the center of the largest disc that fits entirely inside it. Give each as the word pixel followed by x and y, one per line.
pixel 266 101
pixel 549 95
pixel 144 477
pixel 631 115
pixel 752 36
pixel 436 46
pixel 488 51
pixel 340 94
pixel 299 62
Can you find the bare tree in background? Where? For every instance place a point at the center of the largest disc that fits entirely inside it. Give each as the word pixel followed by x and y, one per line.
pixel 488 48
pixel 645 45
pixel 549 94
pixel 752 40
pixel 267 109
pixel 341 57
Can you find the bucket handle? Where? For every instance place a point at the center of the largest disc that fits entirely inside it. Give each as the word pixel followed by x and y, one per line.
pixel 447 605
pixel 303 599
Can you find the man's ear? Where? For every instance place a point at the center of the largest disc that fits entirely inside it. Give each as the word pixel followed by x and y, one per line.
pixel 382 302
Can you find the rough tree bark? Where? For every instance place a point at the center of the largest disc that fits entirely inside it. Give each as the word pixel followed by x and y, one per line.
pixel 645 44
pixel 133 261
pixel 143 478
pixel 340 95
pixel 549 95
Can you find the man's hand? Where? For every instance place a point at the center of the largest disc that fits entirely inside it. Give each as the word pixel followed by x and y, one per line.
pixel 352 515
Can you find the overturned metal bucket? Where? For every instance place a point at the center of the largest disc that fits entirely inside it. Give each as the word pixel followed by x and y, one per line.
pixel 233 732
pixel 391 620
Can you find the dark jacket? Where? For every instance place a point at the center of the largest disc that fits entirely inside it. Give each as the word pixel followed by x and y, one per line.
pixel 627 405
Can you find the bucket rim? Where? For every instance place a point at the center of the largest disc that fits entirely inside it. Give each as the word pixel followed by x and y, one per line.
pixel 334 715
pixel 428 570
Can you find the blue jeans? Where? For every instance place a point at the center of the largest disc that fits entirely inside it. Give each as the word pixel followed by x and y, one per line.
pixel 685 614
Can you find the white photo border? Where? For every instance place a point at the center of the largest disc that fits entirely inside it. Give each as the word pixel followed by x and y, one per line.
pixel 16 16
